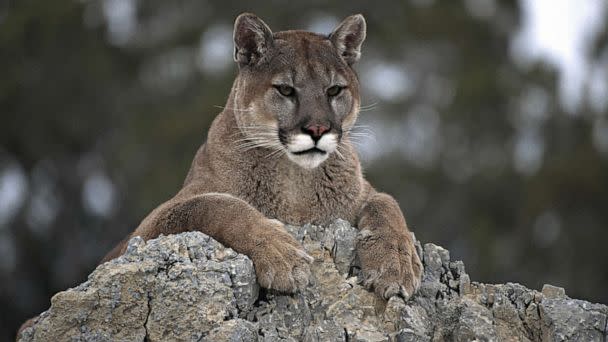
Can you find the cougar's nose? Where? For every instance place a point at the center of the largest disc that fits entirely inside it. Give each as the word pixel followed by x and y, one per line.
pixel 316 131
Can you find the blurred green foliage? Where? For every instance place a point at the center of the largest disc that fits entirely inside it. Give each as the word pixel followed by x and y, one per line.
pixel 87 100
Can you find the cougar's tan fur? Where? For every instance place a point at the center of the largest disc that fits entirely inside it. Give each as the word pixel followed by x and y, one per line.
pixel 248 178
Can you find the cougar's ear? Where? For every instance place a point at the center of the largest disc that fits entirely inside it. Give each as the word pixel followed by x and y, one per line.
pixel 348 38
pixel 252 38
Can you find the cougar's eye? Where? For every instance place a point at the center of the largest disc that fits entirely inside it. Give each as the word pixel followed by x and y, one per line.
pixel 334 90
pixel 285 90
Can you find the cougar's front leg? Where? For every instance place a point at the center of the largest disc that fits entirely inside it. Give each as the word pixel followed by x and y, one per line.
pixel 386 250
pixel 280 261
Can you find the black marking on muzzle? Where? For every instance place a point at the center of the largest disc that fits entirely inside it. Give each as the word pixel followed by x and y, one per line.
pixel 310 150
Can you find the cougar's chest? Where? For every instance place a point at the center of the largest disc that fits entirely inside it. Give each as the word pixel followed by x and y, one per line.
pixel 300 196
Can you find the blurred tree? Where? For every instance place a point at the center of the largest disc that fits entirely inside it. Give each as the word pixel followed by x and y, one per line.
pixel 103 104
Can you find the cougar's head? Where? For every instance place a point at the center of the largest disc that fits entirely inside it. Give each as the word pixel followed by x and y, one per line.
pixel 296 92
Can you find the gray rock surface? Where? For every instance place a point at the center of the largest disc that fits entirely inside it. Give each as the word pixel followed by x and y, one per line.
pixel 188 287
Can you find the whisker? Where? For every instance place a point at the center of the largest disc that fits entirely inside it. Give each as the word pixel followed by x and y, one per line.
pixel 277 153
pixel 252 144
pixel 360 126
pixel 249 148
pixel 235 109
pixel 266 132
pixel 257 136
pixel 259 125
pixel 256 141
pixel 360 140
pixel 371 105
pixel 361 136
pixel 257 131
pixel 267 140
pixel 339 152
pixel 360 130
pixel 253 141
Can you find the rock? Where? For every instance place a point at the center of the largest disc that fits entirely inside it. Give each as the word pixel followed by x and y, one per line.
pixel 188 287
pixel 234 330
pixel 577 320
pixel 553 292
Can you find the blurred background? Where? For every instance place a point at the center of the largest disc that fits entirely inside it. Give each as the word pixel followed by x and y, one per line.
pixel 489 121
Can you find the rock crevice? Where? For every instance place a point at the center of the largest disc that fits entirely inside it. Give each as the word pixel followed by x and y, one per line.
pixel 188 287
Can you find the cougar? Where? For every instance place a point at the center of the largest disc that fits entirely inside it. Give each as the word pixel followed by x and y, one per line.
pixel 281 152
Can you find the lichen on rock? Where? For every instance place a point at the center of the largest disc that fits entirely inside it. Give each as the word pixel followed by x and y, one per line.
pixel 188 287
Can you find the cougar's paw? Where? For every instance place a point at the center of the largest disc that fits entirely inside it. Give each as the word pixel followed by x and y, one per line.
pixel 281 263
pixel 389 263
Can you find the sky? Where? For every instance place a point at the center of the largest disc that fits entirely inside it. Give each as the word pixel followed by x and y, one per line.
pixel 561 33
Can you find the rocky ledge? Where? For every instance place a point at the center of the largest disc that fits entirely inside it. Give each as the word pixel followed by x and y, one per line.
pixel 188 287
